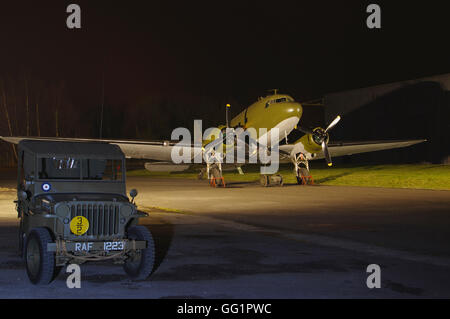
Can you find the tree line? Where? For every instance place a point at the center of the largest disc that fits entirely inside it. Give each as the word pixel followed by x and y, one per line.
pixel 30 106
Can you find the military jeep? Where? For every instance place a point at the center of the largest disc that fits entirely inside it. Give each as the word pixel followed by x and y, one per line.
pixel 73 208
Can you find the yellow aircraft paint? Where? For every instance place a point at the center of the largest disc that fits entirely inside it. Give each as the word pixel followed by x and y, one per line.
pixel 265 113
pixel 309 144
pixel 268 112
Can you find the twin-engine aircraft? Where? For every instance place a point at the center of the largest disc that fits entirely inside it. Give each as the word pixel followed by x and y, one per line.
pixel 275 112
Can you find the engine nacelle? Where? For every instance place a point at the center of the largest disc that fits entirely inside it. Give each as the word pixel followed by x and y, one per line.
pixel 312 143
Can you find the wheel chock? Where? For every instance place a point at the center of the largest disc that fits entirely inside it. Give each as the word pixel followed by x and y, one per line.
pixel 217 181
pixel 307 180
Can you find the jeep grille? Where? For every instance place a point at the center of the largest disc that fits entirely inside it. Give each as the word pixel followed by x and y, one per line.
pixel 103 218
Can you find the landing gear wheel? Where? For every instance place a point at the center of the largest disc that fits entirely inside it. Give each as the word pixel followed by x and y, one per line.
pixel 140 263
pixel 271 180
pixel 216 174
pixel 264 180
pixel 302 176
pixel 281 183
pixel 201 174
pixel 39 262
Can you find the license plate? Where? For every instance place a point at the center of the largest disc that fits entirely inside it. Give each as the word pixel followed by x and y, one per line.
pixel 88 246
pixel 107 246
pixel 113 245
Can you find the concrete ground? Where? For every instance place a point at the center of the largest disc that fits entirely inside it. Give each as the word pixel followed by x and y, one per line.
pixel 246 241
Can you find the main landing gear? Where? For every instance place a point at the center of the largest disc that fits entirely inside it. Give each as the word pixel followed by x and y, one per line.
pixel 215 175
pixel 214 172
pixel 301 170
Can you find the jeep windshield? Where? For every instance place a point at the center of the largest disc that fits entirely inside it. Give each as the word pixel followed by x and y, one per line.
pixel 80 169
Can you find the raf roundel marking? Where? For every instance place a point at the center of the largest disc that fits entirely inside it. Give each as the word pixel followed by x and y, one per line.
pixel 46 187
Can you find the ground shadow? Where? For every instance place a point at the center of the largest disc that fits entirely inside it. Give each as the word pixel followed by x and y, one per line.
pixel 295 184
pixel 240 184
pixel 162 236
pixel 331 178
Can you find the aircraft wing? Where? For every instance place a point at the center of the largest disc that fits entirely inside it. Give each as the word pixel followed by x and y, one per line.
pixel 154 150
pixel 350 148
pixel 161 150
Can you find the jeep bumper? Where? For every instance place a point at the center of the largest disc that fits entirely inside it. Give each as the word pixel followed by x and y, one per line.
pixel 96 246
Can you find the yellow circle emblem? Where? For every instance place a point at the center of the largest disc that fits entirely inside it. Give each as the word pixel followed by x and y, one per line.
pixel 79 225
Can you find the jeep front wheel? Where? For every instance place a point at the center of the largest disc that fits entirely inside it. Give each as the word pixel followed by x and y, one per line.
pixel 39 262
pixel 140 262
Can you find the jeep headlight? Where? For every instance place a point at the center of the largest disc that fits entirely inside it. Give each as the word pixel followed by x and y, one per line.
pixel 62 211
pixel 126 210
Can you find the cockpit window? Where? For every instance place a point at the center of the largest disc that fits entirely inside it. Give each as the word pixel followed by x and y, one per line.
pixel 280 100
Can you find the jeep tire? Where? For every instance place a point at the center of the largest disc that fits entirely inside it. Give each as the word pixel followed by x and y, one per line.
pixel 140 263
pixel 39 262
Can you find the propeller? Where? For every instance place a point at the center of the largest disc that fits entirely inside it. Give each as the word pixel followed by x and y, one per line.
pixel 332 124
pixel 326 153
pixel 239 135
pixel 321 137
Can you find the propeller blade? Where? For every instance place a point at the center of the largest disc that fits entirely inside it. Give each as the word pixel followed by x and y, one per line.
pixel 332 124
pixel 326 153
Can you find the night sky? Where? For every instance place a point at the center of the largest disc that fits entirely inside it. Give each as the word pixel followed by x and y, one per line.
pixel 217 51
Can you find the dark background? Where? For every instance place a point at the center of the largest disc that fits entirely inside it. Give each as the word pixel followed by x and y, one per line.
pixel 166 63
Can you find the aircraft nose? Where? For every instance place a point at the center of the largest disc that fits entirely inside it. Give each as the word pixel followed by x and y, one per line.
pixel 293 109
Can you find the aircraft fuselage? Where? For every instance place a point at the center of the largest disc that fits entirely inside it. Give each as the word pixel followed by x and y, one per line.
pixel 273 111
